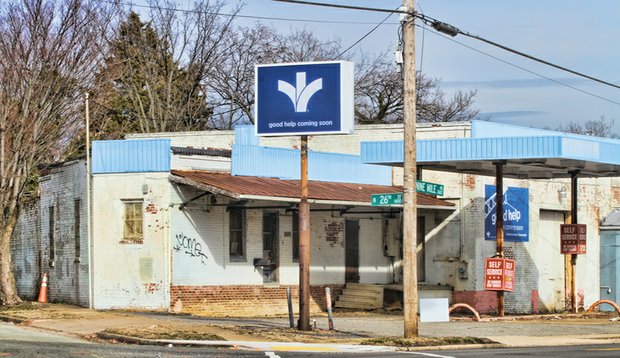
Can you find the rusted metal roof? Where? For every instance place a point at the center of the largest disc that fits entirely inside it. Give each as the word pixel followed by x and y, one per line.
pixel 239 187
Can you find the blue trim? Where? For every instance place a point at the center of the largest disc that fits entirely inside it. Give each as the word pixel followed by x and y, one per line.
pixel 471 149
pixel 131 156
pixel 285 164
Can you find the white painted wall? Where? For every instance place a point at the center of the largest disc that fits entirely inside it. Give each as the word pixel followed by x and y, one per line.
pixel 131 275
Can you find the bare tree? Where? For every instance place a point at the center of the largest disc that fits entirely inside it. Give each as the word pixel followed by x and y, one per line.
pixel 379 97
pixel 231 84
pixel 49 52
pixel 595 127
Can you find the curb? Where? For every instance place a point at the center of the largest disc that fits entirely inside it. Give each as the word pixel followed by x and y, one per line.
pixel 162 342
pixel 454 346
pixel 10 319
pixel 253 345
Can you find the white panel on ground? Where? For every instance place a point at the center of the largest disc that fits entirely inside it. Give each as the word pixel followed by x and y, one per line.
pixel 434 310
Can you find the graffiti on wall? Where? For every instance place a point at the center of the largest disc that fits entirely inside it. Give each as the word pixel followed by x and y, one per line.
pixel 190 247
pixel 334 233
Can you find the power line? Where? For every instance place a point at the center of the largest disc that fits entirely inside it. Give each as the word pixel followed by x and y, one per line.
pixel 525 69
pixel 363 37
pixel 348 7
pixel 453 31
pixel 255 17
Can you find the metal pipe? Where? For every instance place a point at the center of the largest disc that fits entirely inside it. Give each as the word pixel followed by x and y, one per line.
pixel 574 191
pixel 328 300
pixel 290 307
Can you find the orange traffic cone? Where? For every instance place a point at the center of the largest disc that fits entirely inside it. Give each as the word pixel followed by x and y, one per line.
pixel 43 291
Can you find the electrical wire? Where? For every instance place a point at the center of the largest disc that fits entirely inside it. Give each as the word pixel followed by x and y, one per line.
pixel 523 68
pixel 348 7
pixel 452 31
pixel 255 17
pixel 363 37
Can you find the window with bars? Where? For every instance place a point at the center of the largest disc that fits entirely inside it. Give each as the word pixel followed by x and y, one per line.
pixel 236 234
pixel 133 229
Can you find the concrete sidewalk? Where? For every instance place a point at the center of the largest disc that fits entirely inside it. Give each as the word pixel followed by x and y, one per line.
pixel 510 332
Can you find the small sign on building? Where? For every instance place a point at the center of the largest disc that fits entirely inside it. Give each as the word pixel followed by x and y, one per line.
pixel 499 274
pixel 573 238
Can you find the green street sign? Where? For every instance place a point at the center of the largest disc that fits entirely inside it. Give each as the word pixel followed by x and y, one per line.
pixel 429 188
pixel 386 199
pixel 397 198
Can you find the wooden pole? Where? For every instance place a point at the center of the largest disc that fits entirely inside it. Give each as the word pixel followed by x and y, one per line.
pixel 304 242
pixel 499 225
pixel 573 258
pixel 410 276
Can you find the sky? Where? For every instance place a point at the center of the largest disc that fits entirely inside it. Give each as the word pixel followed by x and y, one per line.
pixel 583 36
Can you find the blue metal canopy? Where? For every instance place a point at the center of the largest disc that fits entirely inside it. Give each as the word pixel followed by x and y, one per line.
pixel 535 154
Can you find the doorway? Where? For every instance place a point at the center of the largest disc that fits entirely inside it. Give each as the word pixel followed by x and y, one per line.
pixel 270 246
pixel 352 251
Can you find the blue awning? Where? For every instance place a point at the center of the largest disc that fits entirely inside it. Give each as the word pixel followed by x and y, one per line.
pixel 536 156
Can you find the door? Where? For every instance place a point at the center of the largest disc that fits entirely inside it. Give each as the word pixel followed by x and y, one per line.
pixel 270 246
pixel 420 256
pixel 550 265
pixel 352 251
pixel 610 254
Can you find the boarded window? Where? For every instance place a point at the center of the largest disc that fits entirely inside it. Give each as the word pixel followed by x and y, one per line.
pixel 52 224
pixel 77 205
pixel 295 231
pixel 133 222
pixel 236 234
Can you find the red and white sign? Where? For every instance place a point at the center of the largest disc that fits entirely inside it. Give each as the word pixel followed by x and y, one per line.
pixel 499 274
pixel 573 238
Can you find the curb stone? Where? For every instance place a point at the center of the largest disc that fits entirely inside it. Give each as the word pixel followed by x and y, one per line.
pixel 10 319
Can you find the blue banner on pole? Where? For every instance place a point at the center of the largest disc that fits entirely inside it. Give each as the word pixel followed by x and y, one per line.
pixel 516 207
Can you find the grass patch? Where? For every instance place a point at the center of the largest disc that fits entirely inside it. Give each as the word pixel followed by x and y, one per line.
pixel 165 332
pixel 425 341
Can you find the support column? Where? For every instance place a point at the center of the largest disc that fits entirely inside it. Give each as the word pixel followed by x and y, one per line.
pixel 499 225
pixel 574 193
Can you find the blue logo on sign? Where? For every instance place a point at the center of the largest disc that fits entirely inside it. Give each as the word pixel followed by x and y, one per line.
pixel 298 98
pixel 516 214
pixel 300 94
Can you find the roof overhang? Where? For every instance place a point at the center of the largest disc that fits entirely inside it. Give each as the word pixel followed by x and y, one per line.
pixel 529 157
pixel 278 190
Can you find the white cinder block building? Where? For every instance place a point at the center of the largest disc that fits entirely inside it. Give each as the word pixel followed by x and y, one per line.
pixel 207 222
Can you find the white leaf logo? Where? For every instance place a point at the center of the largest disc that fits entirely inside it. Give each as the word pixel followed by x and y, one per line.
pixel 300 94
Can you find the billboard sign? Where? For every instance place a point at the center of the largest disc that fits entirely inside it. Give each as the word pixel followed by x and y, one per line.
pixel 307 98
pixel 573 238
pixel 499 274
pixel 516 216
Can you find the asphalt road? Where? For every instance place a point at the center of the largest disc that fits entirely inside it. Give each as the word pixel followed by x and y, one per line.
pixel 17 341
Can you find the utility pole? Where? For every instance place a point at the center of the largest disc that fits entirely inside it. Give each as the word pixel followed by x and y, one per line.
pixel 410 275
pixel 304 242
